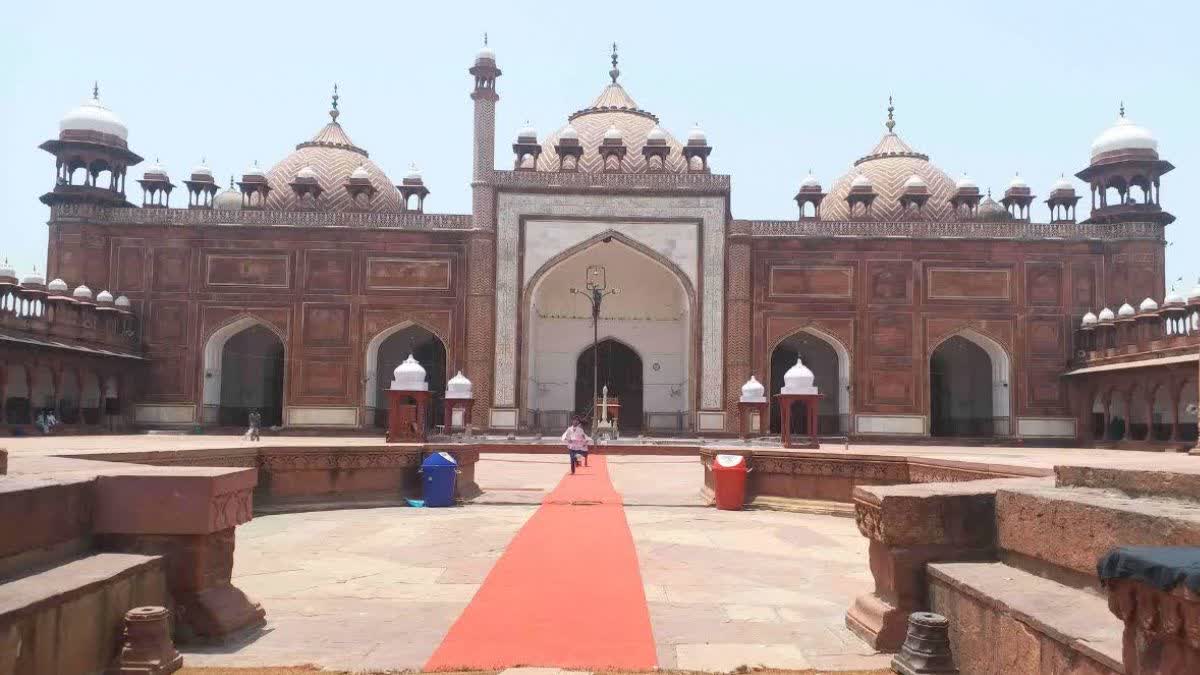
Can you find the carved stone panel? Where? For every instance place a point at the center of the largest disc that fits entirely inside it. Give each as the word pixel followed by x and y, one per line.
pixel 890 281
pixel 258 270
pixel 811 281
pixel 167 322
pixel 172 269
pixel 325 325
pixel 328 271
pixel 1043 284
pixel 891 335
pixel 324 378
pixel 966 283
pixel 889 385
pixel 1045 337
pixel 1045 385
pixel 408 274
pixel 130 273
pixel 1083 285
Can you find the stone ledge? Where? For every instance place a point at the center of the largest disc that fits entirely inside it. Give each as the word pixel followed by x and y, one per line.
pixel 70 580
pixel 174 500
pixel 1025 620
pixel 1072 528
pixel 1135 482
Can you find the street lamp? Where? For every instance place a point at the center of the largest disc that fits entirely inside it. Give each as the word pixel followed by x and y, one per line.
pixel 596 288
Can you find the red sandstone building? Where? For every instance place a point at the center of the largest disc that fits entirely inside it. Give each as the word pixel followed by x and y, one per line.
pixel 923 306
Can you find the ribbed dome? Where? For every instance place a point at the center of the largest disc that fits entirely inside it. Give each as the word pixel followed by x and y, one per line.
pixel 33 279
pixel 888 166
pixel 104 298
pixel 1106 315
pixel 94 116
pixel 1148 305
pixel 57 286
pixel 860 181
pixel 229 199
pixel 122 302
pixel 1089 319
pixel 612 109
pixel 1124 135
pixel 1126 311
pixel 915 181
pixel 569 132
pixel 333 157
pixel 82 292
pixel 614 134
pixel 7 271
pixel 307 173
pixel 656 134
pixel 992 211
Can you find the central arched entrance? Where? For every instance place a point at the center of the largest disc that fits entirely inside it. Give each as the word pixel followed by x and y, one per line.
pixel 388 350
pixel 968 387
pixel 620 369
pixel 648 325
pixel 829 362
pixel 244 370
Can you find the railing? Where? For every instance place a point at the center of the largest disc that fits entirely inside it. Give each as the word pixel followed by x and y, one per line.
pixel 1154 333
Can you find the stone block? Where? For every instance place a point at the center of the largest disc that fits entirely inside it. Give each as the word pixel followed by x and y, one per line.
pixel 300 472
pixel 174 500
pixel 1062 532
pixel 41 514
pixel 1162 628
pixel 1004 620
pixel 1134 482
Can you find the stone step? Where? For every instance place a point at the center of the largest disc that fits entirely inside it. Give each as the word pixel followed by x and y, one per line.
pixel 67 619
pixel 1006 620
pixel 1061 533
pixel 1179 481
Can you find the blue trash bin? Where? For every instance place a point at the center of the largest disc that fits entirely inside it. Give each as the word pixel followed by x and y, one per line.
pixel 439 473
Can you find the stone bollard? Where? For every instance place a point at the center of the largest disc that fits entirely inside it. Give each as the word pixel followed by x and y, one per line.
pixel 146 648
pixel 926 648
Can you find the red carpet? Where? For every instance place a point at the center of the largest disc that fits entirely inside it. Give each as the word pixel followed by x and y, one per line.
pixel 567 592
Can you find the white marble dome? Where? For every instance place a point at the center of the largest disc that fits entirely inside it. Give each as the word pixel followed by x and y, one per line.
pixel 753 391
pixel 122 302
pixel 798 380
pixel 57 286
pixel 485 54
pixel 229 199
pixel 255 171
pixel 414 174
pixel 1126 311
pixel 613 134
pixel 92 115
pixel 915 181
pixel 657 135
pixel 155 171
pixel 810 181
pixel 965 182
pixel 104 298
pixel 307 173
pixel 33 279
pixel 860 181
pixel 82 292
pixel 409 376
pixel 7 271
pixel 527 134
pixel 1106 315
pixel 1148 305
pixel 202 169
pixel 360 173
pixel 696 135
pixel 1124 135
pixel 1062 184
pixel 1174 297
pixel 1089 319
pixel 1017 183
pixel 459 387
pixel 569 132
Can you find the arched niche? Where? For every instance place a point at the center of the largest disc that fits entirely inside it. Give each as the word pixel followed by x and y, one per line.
pixel 244 370
pixel 969 393
pixel 389 349
pixel 829 360
pixel 16 403
pixel 618 367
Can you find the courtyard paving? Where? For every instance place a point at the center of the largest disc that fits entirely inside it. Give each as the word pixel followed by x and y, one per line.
pixel 379 588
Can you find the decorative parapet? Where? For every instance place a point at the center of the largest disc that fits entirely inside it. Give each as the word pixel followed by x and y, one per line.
pixel 702 183
pixel 952 230
pixel 195 217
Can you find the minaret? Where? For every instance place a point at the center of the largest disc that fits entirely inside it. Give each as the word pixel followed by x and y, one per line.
pixel 485 97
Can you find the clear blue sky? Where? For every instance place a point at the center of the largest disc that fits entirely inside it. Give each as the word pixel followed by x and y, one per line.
pixel 779 87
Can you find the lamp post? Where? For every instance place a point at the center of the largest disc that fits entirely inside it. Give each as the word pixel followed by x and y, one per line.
pixel 595 289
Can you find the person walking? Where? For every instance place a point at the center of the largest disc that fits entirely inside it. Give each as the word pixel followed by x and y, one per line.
pixel 255 424
pixel 577 442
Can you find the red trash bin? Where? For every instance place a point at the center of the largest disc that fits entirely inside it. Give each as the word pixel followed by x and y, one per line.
pixel 729 477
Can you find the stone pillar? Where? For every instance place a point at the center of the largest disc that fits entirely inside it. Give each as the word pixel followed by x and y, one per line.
pixel 188 515
pixel 909 526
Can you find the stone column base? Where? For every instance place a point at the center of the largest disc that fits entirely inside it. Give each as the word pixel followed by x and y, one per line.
pixel 216 613
pixel 877 622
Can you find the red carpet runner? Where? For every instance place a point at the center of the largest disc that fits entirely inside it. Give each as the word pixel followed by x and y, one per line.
pixel 567 592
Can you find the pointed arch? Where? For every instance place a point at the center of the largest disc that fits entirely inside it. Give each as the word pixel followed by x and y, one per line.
pixel 214 355
pixel 1001 374
pixel 842 394
pixel 371 376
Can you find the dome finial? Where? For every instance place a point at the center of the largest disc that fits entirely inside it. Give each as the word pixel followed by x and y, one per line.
pixel 485 38
pixel 96 89
pixel 891 120
pixel 231 182
pixel 333 112
pixel 1122 108
pixel 615 72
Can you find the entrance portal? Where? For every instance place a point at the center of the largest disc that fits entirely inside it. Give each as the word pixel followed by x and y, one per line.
pixel 620 369
pixel 820 356
pixel 968 388
pixel 252 378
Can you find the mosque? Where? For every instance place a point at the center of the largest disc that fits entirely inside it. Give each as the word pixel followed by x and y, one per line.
pixel 923 305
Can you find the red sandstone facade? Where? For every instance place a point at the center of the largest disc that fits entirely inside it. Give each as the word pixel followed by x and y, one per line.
pixel 912 291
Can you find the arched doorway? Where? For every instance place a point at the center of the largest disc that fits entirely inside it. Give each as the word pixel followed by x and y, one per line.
pixel 1098 417
pixel 1118 417
pixel 830 364
pixel 651 316
pixel 968 387
pixel 16 403
pixel 388 350
pixel 620 369
pixel 244 370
